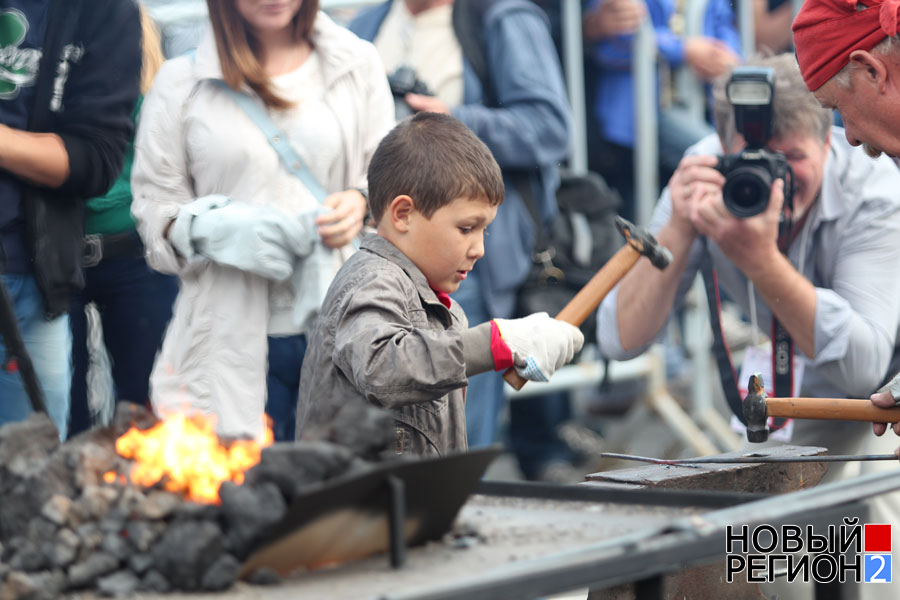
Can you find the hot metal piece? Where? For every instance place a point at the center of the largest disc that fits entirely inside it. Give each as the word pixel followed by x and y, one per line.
pixel 749 458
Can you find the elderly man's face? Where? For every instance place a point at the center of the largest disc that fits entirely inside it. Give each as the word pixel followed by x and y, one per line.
pixel 866 119
pixel 807 155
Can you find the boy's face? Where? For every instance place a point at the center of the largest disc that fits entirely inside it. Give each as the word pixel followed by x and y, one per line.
pixel 446 246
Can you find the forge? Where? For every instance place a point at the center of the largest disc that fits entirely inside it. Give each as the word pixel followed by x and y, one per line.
pixel 72 519
pixel 336 518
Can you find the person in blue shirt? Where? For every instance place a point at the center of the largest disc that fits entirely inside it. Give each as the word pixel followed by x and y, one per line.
pixel 609 28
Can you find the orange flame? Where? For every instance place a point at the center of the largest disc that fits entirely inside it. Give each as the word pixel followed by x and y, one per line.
pixel 185 454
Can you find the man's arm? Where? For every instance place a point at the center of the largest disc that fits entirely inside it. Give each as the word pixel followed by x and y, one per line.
pixel 531 126
pixel 94 120
pixel 646 294
pixel 38 158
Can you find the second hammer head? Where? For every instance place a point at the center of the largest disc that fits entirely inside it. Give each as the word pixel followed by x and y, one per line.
pixel 754 407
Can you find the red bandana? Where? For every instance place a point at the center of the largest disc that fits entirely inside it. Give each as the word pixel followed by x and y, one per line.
pixel 827 31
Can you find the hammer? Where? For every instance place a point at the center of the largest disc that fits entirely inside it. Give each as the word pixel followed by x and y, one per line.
pixel 639 242
pixel 757 408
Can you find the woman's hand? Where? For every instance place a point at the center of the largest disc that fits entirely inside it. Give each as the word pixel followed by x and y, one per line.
pixel 338 227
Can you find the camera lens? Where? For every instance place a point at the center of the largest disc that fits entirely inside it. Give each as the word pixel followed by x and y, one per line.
pixel 746 191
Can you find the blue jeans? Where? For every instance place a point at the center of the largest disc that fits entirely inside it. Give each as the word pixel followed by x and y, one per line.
pixel 484 395
pixel 532 431
pixel 135 305
pixel 49 345
pixel 283 382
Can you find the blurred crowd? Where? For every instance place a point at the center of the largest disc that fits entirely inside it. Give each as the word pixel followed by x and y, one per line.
pixel 152 174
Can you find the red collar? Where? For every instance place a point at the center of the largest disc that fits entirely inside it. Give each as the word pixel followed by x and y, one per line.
pixel 443 297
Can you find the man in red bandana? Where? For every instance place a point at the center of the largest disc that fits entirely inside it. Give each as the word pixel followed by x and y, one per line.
pixel 849 56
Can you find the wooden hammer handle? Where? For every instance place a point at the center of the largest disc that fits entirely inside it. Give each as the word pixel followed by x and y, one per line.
pixel 589 297
pixel 840 409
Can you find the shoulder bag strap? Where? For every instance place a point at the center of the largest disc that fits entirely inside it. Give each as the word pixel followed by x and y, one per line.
pixel 278 140
pixel 468 26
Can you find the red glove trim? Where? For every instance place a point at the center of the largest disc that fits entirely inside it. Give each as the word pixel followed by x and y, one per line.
pixel 503 358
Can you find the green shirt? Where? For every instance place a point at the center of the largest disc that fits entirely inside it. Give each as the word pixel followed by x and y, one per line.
pixel 111 213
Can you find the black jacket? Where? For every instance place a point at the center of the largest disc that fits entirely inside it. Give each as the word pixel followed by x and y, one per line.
pixel 87 86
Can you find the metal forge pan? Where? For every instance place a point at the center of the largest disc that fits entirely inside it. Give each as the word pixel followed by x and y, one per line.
pixel 393 505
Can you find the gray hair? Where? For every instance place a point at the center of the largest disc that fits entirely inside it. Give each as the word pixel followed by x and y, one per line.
pixel 889 45
pixel 795 111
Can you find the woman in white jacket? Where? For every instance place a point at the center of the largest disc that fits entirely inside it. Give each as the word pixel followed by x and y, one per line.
pixel 215 204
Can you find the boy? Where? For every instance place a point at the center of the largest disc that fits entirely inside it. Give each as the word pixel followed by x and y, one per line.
pixel 388 333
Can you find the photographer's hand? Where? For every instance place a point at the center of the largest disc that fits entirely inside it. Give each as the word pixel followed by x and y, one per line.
pixel 695 177
pixel 750 243
pixel 422 103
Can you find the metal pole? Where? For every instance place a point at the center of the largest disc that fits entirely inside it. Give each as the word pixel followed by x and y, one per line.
pixel 646 99
pixel 748 27
pixel 689 88
pixel 573 52
pixel 17 357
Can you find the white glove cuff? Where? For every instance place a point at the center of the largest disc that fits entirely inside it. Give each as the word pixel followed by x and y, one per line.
pixel 531 370
pixel 180 235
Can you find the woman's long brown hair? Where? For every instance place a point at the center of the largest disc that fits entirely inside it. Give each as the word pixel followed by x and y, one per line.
pixel 235 45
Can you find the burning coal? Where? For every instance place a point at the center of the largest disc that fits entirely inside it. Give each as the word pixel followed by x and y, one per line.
pixel 184 455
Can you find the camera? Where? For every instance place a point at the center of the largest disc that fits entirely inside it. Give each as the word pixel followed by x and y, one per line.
pixel 404 80
pixel 750 173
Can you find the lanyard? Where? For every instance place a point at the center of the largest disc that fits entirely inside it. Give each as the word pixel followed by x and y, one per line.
pixel 782 345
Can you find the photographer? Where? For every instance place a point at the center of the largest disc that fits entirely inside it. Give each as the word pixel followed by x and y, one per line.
pixel 829 290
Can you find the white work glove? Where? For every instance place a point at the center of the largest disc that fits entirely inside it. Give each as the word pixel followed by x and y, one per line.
pixel 255 238
pixel 539 344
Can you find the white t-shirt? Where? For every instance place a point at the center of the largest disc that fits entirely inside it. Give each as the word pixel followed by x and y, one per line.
pixel 314 132
pixel 427 43
pixel 311 126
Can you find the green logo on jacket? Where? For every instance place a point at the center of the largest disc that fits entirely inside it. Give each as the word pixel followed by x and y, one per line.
pixel 18 66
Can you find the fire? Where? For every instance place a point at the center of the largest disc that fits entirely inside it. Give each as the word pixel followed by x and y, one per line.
pixel 185 454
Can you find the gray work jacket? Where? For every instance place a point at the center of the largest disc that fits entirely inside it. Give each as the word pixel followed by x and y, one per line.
pixel 383 337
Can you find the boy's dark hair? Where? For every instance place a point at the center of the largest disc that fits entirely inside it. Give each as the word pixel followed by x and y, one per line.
pixel 433 159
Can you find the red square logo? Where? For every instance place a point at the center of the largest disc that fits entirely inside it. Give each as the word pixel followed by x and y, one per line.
pixel 877 538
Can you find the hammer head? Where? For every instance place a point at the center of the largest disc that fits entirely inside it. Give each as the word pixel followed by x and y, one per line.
pixel 755 413
pixel 643 241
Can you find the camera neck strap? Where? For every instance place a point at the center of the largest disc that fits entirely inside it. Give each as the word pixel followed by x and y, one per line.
pixel 782 346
